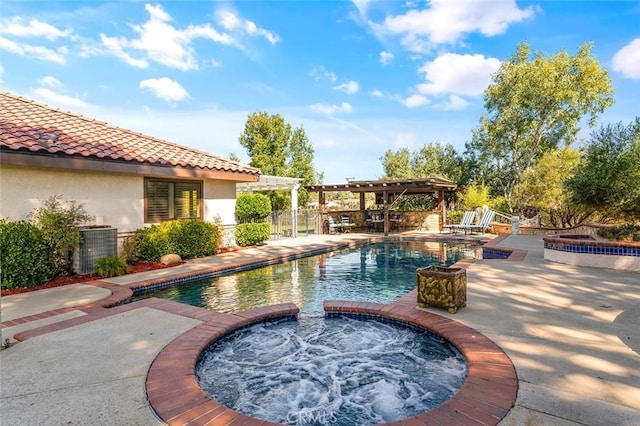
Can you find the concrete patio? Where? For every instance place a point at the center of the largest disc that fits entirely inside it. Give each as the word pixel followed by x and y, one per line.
pixel 573 334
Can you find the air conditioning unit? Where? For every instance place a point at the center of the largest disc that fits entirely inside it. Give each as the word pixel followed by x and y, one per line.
pixel 95 243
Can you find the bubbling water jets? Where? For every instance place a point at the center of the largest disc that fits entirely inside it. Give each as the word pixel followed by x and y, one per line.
pixel 331 371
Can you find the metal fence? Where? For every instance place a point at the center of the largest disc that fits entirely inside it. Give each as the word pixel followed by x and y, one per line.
pixel 307 222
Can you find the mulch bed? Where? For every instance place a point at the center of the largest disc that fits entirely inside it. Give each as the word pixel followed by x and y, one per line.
pixel 75 279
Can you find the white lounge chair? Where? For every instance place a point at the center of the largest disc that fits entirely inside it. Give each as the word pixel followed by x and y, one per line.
pixel 467 220
pixel 333 225
pixel 484 224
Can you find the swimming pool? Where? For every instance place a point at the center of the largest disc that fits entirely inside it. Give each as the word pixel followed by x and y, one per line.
pixel 378 272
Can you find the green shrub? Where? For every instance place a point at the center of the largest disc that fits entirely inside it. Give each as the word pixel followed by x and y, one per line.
pixel 251 234
pixel 454 216
pixel 130 249
pixel 189 239
pixel 111 266
pixel 24 255
pixel 626 232
pixel 252 207
pixel 59 223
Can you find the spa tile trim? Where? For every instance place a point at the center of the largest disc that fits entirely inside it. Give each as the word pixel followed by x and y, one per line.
pixel 485 398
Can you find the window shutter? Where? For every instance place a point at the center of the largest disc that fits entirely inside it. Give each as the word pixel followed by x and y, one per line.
pixel 157 201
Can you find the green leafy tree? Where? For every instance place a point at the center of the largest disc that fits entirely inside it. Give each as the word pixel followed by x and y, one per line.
pixel 431 160
pixel 544 186
pixel 397 165
pixel 535 103
pixel 474 196
pixel 609 178
pixel 278 150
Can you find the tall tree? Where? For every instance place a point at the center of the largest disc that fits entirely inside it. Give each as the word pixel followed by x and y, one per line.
pixel 535 103
pixel 278 150
pixel 431 160
pixel 544 186
pixel 609 179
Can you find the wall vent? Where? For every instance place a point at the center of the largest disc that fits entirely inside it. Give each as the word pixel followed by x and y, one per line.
pixel 95 243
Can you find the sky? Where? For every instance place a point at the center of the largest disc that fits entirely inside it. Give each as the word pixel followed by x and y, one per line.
pixel 361 77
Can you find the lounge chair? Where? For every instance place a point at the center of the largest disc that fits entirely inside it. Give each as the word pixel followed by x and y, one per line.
pixel 467 220
pixel 345 224
pixel 333 225
pixel 484 224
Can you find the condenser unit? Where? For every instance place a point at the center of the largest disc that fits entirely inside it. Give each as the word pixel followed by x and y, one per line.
pixel 95 243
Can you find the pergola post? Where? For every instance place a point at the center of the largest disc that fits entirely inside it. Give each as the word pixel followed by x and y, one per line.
pixel 362 202
pixel 294 210
pixel 385 212
pixel 442 207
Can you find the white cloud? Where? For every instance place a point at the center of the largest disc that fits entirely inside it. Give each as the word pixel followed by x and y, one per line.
pixel 361 5
pixel 320 73
pixel 160 41
pixel 116 47
pixel 325 109
pixel 455 103
pixel 50 82
pixel 451 73
pixel 385 57
pixel 231 22
pixel 165 88
pixel 415 101
pixel 34 28
pixel 59 100
pixel 30 51
pixel 627 60
pixel 376 93
pixel 350 87
pixel 445 21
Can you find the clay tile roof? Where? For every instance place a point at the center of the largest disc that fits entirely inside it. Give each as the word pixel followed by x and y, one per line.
pixel 29 126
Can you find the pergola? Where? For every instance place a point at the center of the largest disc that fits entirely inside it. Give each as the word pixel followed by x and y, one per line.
pixel 389 191
pixel 276 183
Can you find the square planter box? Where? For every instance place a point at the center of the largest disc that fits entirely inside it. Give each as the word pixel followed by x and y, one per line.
pixel 442 287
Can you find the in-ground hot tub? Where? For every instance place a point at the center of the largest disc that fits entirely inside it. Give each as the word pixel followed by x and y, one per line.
pixel 588 250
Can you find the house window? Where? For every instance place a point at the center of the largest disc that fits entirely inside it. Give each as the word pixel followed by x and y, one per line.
pixel 167 200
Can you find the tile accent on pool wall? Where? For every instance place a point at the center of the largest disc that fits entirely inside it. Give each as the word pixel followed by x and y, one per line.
pixel 485 397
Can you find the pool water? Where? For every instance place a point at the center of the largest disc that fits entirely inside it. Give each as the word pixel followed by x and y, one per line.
pixel 334 370
pixel 380 273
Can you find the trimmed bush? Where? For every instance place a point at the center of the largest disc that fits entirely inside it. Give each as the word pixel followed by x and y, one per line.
pixel 111 266
pixel 189 239
pixel 251 234
pixel 252 207
pixel 24 255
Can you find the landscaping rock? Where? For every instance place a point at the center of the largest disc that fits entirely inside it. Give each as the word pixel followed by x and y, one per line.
pixel 170 259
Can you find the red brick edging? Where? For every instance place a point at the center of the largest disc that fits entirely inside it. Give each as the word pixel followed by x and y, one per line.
pixel 485 398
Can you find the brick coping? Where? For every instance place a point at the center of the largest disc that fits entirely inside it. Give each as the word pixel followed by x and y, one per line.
pixel 486 396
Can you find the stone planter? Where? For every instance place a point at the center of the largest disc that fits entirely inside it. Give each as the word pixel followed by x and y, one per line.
pixel 442 287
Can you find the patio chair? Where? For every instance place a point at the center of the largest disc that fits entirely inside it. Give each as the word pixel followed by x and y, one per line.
pixel 484 224
pixel 346 224
pixel 395 221
pixel 368 219
pixel 333 225
pixel 467 220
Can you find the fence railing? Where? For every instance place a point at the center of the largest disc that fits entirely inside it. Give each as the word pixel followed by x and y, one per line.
pixel 287 224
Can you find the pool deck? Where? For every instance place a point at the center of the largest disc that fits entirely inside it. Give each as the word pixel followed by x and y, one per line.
pixel 572 333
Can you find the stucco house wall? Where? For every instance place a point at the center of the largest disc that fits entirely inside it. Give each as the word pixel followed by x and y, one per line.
pixel 110 199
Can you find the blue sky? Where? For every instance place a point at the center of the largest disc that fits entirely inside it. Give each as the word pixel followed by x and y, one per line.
pixel 360 76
